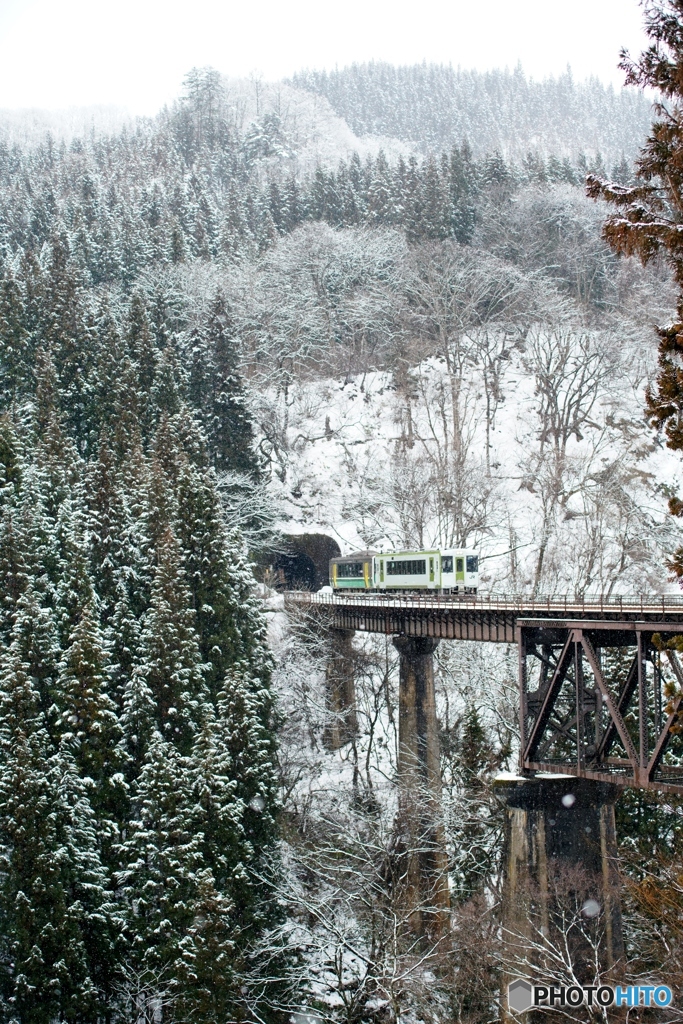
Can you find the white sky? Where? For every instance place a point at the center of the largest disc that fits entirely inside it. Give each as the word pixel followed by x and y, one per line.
pixel 134 53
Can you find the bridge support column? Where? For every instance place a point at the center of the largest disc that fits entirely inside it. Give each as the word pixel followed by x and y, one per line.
pixel 419 774
pixel 342 724
pixel 561 888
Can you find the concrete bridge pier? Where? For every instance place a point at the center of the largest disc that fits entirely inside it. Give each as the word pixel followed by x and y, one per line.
pixel 342 724
pixel 561 911
pixel 419 775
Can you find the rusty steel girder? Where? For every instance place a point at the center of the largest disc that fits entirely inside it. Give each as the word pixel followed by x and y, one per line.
pixel 602 700
pixel 600 682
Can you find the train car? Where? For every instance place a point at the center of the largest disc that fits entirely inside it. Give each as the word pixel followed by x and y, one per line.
pixel 454 571
pixel 459 571
pixel 407 570
pixel 352 572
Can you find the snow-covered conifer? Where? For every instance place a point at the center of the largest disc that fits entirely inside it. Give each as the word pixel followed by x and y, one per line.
pixel 15 344
pixel 58 929
pixel 87 720
pixel 167 691
pixel 177 921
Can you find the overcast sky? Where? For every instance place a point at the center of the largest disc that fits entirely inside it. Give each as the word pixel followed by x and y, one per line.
pixel 134 53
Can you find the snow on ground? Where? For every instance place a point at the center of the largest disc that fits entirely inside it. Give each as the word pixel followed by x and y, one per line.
pixel 346 452
pixel 310 128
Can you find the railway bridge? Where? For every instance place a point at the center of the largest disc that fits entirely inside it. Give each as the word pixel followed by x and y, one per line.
pixel 600 681
pixel 600 707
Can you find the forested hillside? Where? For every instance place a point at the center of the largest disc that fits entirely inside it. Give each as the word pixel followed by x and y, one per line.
pixel 208 192
pixel 136 724
pixel 207 343
pixel 436 107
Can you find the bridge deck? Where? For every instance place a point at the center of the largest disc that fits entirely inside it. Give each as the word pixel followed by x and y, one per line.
pixel 489 618
pixel 575 716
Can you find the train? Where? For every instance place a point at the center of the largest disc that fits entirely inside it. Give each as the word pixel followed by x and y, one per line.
pixel 452 571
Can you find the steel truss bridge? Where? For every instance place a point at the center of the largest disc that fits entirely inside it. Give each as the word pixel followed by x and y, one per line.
pixel 600 680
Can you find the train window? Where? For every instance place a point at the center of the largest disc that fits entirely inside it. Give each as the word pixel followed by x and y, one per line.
pixel 473 563
pixel 460 565
pixel 407 567
pixel 447 563
pixel 350 570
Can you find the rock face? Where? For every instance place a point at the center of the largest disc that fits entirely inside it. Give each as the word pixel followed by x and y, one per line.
pixel 561 887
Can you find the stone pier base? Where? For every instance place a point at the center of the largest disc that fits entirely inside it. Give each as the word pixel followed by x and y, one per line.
pixel 419 776
pixel 561 911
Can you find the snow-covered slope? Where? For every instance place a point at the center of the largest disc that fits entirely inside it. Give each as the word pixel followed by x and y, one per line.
pixel 312 132
pixel 362 465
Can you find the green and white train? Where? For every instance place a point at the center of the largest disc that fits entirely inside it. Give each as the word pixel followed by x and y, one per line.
pixel 455 571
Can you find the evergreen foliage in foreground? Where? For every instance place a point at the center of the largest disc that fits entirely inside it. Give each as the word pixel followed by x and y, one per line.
pixel 647 220
pixel 137 787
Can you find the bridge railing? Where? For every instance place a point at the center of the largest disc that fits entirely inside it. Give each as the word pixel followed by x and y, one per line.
pixel 561 604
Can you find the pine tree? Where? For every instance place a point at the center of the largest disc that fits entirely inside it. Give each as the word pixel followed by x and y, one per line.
pixel 43 488
pixel 473 761
pixel 435 203
pixel 317 195
pixel 235 806
pixel 380 197
pixel 58 927
pixel 226 617
pixel 109 532
pixel 277 207
pixel 178 922
pixel 177 247
pixel 14 570
pixel 14 565
pixel 68 336
pixel 10 461
pixel 349 201
pixel 159 506
pixel 412 201
pixel 34 644
pixel 16 355
pixel 463 190
pixel 245 728
pixel 202 101
pixel 168 384
pixel 647 221
pixel 87 714
pixel 167 691
pixel 475 749
pixel 109 374
pixel 293 204
pixel 75 590
pixel 31 280
pixel 46 411
pixel 228 423
pixel 56 462
pixel 232 852
pixel 144 354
